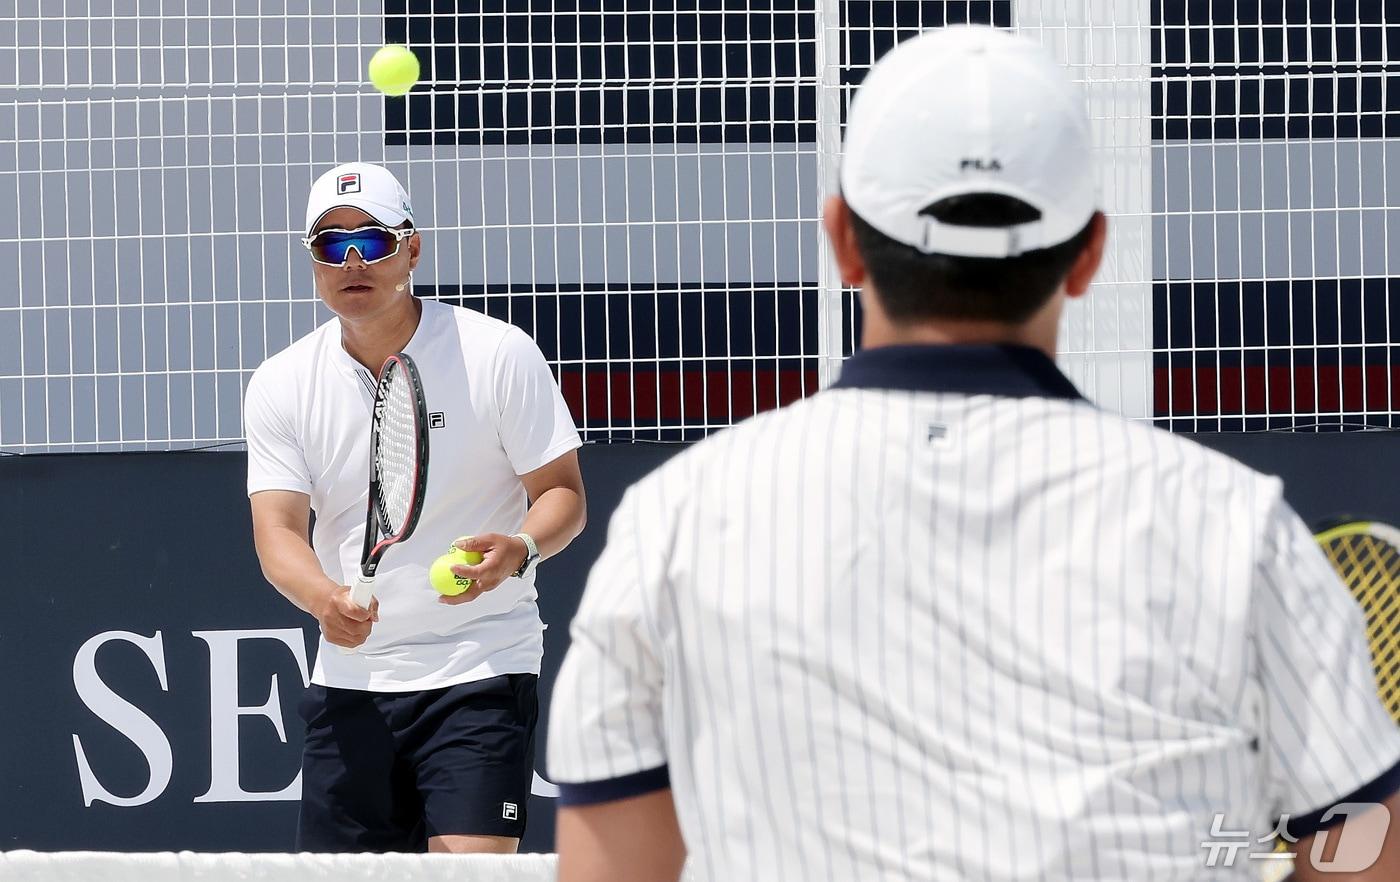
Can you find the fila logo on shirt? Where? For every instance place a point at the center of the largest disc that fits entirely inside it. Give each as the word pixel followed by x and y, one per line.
pixel 437 419
pixel 347 184
pixel 509 811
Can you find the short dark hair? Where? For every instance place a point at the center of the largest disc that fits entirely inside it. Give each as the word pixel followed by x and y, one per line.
pixel 915 285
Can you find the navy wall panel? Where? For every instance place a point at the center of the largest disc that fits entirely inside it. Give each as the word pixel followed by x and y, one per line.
pixel 158 545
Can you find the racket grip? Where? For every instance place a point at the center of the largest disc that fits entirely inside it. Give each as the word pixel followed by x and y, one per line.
pixel 362 591
pixel 362 594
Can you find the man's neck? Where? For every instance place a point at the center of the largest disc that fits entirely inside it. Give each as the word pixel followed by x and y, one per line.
pixel 371 341
pixel 954 333
pixel 1041 331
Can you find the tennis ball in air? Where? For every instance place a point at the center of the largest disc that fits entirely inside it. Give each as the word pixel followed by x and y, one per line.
pixel 393 69
pixel 447 582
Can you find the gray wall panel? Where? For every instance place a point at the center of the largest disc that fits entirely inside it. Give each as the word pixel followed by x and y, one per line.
pixel 1275 210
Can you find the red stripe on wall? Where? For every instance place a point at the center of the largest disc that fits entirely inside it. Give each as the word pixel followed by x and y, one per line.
pixel 722 396
pixel 1281 389
pixel 694 396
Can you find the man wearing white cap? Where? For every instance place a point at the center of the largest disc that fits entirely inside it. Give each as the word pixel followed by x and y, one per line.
pixel 947 620
pixel 423 739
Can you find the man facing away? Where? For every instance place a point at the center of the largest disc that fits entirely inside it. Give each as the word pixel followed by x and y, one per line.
pixel 947 620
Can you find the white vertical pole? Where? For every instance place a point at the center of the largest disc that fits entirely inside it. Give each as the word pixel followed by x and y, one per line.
pixel 830 297
pixel 1106 338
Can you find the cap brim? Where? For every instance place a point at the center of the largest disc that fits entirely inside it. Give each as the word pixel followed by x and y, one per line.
pixel 384 214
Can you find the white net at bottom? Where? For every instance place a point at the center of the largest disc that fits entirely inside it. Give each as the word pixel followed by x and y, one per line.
pixel 87 866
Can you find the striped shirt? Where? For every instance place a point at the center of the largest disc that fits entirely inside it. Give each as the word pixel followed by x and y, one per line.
pixel 947 620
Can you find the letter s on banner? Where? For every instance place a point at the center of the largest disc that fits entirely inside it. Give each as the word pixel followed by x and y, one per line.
pixel 123 716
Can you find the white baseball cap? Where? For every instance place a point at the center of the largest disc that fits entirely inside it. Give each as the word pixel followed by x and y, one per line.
pixel 372 189
pixel 966 110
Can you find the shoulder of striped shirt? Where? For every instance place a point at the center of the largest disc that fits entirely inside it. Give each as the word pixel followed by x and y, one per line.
pixel 1193 460
pixel 1191 449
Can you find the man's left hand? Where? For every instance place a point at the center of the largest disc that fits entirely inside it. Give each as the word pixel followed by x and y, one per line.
pixel 502 556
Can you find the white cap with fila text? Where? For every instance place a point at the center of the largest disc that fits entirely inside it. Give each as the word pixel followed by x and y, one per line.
pixel 965 110
pixel 372 189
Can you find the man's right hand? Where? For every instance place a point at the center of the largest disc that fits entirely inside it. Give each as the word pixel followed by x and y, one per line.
pixel 343 621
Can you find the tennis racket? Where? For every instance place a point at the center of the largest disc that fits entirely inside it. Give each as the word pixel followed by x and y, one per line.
pixel 1366 554
pixel 398 450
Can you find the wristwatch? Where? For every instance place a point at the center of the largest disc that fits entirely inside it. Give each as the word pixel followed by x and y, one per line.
pixel 532 555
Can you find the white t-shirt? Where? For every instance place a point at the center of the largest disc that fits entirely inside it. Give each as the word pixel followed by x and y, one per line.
pixel 950 621
pixel 495 413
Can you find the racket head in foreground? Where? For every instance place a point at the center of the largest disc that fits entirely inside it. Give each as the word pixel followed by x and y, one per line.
pixel 1366 554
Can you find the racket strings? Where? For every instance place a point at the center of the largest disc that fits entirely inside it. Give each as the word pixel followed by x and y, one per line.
pixel 1371 568
pixel 397 453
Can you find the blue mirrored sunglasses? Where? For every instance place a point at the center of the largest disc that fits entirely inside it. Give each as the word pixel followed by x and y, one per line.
pixel 373 244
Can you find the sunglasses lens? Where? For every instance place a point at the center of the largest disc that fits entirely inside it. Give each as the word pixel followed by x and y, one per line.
pixel 370 243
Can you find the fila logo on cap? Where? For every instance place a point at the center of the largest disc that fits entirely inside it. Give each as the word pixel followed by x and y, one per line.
pixel 347 184
pixel 980 165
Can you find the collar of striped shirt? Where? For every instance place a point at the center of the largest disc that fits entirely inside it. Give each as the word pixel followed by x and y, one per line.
pixel 1005 370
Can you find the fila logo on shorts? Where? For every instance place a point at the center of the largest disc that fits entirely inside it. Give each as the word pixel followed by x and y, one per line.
pixel 349 183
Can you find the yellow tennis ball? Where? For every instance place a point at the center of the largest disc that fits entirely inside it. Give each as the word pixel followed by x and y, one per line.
pixel 447 582
pixel 393 69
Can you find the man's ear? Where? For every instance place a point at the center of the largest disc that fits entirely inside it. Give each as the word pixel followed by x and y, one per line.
pixel 840 229
pixel 1086 265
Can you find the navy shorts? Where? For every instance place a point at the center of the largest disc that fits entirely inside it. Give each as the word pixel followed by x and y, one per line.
pixel 383 771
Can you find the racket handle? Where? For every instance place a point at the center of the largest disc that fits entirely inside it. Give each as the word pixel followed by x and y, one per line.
pixel 362 591
pixel 362 594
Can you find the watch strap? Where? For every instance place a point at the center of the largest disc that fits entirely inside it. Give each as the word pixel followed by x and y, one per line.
pixel 532 554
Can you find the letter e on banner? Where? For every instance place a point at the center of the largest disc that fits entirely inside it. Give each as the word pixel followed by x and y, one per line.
pixel 224 711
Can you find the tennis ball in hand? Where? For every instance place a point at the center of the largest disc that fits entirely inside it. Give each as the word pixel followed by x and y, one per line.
pixel 447 582
pixel 393 69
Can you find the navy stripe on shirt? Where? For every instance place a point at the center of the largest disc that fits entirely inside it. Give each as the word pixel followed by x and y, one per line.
pixel 1378 790
pixel 610 789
